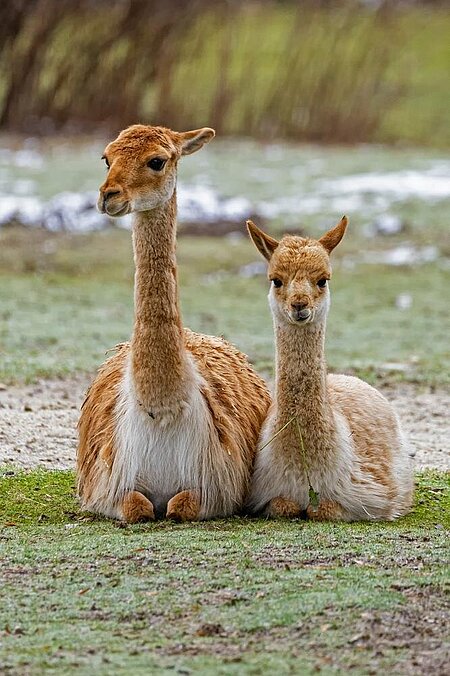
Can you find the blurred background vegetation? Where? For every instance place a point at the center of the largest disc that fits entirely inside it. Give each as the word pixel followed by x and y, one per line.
pixel 318 70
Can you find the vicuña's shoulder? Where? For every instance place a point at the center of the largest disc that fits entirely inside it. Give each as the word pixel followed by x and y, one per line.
pixel 227 371
pixel 210 345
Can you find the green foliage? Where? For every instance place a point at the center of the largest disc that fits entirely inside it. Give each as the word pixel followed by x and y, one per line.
pixel 432 500
pixel 38 496
pixel 48 496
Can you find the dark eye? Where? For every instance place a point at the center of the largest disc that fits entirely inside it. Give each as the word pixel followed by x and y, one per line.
pixel 322 282
pixel 106 162
pixel 156 163
pixel 277 282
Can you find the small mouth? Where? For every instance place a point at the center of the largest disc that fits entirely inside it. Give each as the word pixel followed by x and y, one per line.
pixel 116 210
pixel 300 317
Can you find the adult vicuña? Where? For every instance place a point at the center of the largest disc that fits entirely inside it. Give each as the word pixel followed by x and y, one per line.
pixel 171 422
pixel 340 454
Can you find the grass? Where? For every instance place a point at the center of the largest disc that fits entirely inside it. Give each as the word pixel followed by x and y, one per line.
pixel 414 115
pixel 386 82
pixel 65 300
pixel 224 597
pixel 240 596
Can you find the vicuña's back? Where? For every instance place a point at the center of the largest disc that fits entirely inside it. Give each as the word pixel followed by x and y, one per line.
pixel 331 444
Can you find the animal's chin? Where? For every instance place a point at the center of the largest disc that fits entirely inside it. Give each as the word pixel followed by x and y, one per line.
pixel 116 211
pixel 300 321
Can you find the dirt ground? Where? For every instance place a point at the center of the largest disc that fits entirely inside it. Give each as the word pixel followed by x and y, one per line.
pixel 38 422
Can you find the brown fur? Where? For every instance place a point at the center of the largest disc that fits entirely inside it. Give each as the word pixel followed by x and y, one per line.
pixel 184 506
pixel 136 507
pixel 326 511
pixel 280 507
pixel 336 420
pixel 97 423
pixel 230 381
pixel 161 353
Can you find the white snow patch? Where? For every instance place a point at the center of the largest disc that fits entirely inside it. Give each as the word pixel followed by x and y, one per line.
pixel 406 254
pixel 403 301
pixel 26 210
pixel 197 203
pixel 430 185
pixel 23 158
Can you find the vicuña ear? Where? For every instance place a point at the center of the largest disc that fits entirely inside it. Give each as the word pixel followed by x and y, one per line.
pixel 332 238
pixel 191 141
pixel 264 243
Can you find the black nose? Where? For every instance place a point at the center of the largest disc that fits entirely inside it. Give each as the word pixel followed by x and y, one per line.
pixel 110 193
pixel 297 307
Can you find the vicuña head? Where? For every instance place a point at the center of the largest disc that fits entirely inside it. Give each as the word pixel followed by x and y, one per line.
pixel 142 167
pixel 299 270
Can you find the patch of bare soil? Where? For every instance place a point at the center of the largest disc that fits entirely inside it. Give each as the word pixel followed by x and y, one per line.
pixel 419 630
pixel 413 638
pixel 425 415
pixel 38 422
pixel 287 558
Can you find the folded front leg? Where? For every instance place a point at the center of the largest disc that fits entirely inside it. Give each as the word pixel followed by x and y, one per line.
pixel 184 506
pixel 136 507
pixel 282 507
pixel 327 510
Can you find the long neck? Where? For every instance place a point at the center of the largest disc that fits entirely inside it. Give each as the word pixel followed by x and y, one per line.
pixel 157 345
pixel 301 388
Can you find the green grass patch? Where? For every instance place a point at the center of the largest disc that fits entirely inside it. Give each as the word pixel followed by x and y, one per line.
pixel 61 311
pixel 38 496
pixel 41 495
pixel 237 596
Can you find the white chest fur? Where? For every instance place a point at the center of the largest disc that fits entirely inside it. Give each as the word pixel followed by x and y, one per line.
pixel 160 455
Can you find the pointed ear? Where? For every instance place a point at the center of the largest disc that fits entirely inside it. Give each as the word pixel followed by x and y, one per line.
pixel 191 141
pixel 264 243
pixel 332 238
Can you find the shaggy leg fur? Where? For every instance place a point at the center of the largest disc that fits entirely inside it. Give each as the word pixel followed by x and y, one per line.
pixel 283 507
pixel 328 510
pixel 184 506
pixel 136 507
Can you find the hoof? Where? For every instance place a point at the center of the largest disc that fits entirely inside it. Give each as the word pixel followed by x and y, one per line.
pixel 136 507
pixel 184 506
pixel 282 507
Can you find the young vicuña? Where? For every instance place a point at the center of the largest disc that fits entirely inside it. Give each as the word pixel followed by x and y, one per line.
pixel 332 444
pixel 171 422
